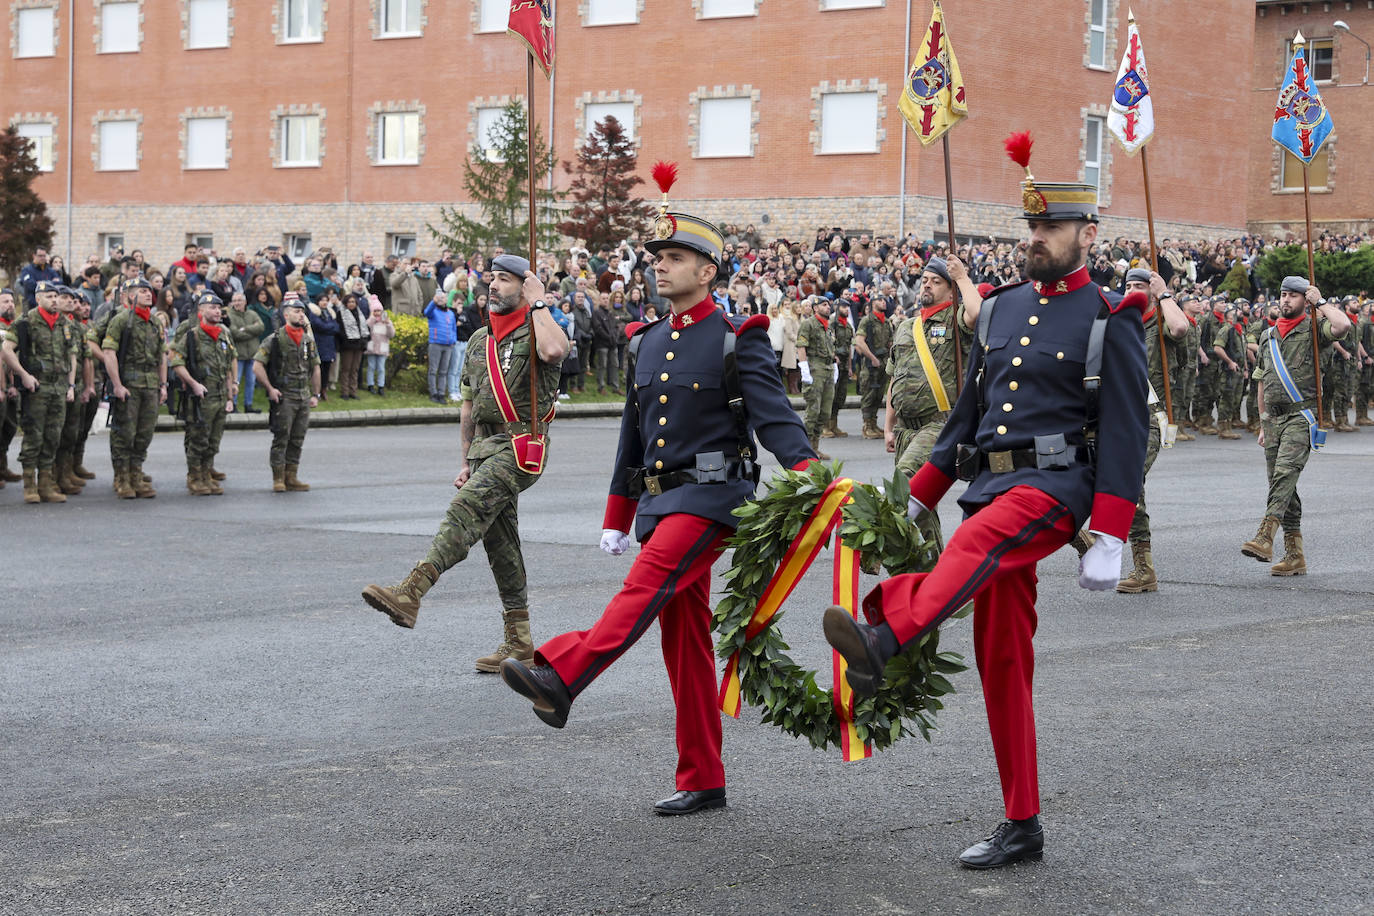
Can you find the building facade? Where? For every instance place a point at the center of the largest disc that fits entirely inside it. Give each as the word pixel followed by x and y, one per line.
pixel 346 122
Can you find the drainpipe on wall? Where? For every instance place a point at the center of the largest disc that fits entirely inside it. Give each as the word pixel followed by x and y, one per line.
pixel 71 97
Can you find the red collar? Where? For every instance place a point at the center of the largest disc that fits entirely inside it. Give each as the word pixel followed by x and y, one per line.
pixel 296 334
pixel 1288 324
pixel 50 319
pixel 931 311
pixel 693 315
pixel 503 325
pixel 212 329
pixel 1074 281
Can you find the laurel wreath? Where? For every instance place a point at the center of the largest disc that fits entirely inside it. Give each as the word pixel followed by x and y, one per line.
pixel 874 524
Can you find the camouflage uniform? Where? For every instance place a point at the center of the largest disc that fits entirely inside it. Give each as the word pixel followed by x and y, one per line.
pixel 1366 387
pixel 1230 384
pixel 1209 376
pixel 75 414
pixel 842 333
pixel 134 418
pixel 877 334
pixel 1143 577
pixel 289 418
pixel 814 337
pixel 44 410
pixel 215 361
pixel 1183 364
pixel 1345 372
pixel 91 406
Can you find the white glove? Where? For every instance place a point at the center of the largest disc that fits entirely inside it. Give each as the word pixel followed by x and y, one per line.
pixel 914 507
pixel 617 542
pixel 1100 568
pixel 805 373
pixel 835 373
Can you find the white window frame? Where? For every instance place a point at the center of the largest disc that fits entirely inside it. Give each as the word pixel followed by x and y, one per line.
pixel 109 241
pixel 203 123
pixel 107 35
pixel 482 119
pixel 835 149
pixel 827 5
pixel 411 7
pixel 408 157
pixel 305 37
pixel 1098 30
pixel 727 9
pixel 43 35
pixel 627 122
pixel 402 244
pixel 1308 45
pixel 703 105
pixel 592 20
pixel 487 18
pixel 297 245
pixel 286 124
pixel 191 23
pixel 36 131
pixel 205 240
pixel 1093 159
pixel 104 162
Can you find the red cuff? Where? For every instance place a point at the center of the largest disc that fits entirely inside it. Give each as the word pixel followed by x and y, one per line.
pixel 620 513
pixel 803 464
pixel 930 484
pixel 1112 515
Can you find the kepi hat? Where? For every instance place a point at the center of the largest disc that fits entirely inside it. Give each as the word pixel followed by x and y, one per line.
pixel 682 230
pixel 1050 200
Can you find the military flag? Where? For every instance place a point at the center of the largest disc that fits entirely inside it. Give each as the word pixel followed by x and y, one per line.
pixel 933 96
pixel 1301 121
pixel 1132 116
pixel 532 22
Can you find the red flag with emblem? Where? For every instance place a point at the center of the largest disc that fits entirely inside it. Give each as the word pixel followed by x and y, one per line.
pixel 532 22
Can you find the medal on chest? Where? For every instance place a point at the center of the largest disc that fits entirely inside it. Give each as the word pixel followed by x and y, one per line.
pixel 506 355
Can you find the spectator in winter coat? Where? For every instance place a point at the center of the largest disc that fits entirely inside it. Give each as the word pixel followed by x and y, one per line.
pixel 380 331
pixel 443 335
pixel 405 290
pixel 353 338
pixel 246 327
pixel 324 324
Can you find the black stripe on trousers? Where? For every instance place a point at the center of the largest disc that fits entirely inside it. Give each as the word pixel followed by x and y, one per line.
pixel 989 566
pixel 655 607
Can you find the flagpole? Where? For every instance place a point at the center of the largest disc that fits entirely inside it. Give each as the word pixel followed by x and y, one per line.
pixel 1154 265
pixel 954 253
pixel 1312 278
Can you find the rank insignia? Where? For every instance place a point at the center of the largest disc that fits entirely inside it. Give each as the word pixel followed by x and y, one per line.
pixel 686 320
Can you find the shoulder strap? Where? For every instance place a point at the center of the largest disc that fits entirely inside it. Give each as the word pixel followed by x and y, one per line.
pixel 734 392
pixel 1092 372
pixel 985 319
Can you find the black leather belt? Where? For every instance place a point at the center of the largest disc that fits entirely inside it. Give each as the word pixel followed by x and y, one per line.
pixel 1283 410
pixel 1018 458
pixel 734 469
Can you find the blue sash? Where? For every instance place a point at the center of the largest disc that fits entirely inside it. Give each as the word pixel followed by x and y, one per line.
pixel 1315 434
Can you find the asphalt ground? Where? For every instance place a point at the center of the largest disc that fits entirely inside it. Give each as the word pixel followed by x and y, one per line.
pixel 200 715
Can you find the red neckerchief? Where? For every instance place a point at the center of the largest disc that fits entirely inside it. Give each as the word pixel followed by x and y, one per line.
pixel 878 316
pixel 1074 281
pixel 50 319
pixel 1288 324
pixel 1219 316
pixel 214 329
pixel 145 313
pixel 1240 328
pixel 1148 315
pixel 6 321
pixel 844 322
pixel 693 315
pixel 931 311
pixel 825 324
pixel 503 325
pixel 1271 321
pixel 1191 319
pixel 296 334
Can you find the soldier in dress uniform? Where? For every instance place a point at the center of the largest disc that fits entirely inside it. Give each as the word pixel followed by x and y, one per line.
pixel 203 357
pixel 1288 424
pixel 41 354
pixel 842 333
pixel 924 379
pixel 287 366
pixel 1050 354
pixel 872 341
pixel 497 462
pixel 685 460
pixel 136 364
pixel 816 356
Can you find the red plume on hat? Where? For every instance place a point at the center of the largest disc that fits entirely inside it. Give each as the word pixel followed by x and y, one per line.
pixel 664 175
pixel 1019 149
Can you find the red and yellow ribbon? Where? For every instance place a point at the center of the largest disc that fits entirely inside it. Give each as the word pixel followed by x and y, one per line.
pixel 798 558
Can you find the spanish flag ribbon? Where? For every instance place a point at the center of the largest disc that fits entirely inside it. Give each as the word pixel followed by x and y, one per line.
pixel 798 558
pixel 933 98
pixel 846 595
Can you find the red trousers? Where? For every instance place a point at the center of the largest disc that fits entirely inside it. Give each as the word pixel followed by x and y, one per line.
pixel 990 559
pixel 670 580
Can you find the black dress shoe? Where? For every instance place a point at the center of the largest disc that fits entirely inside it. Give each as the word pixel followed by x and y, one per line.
pixel 542 685
pixel 1010 843
pixel 684 802
pixel 861 649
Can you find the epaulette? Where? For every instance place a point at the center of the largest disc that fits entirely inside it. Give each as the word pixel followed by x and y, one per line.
pixel 1007 286
pixel 1135 299
pixel 753 321
pixel 635 327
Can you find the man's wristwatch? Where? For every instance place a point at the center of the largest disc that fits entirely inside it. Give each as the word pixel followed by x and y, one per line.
pixel 538 304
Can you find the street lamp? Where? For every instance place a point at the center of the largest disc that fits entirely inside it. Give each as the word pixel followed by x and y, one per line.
pixel 1340 24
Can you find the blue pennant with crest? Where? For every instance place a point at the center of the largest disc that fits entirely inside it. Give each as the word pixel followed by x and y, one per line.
pixel 1301 120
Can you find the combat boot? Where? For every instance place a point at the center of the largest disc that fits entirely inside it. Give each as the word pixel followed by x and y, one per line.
pixel 79 469
pixel 123 486
pixel 194 485
pixel 1227 431
pixel 5 473
pixel 1293 562
pixel 1142 578
pixel 208 481
pixel 278 480
pixel 1206 427
pixel 215 474
pixel 1343 424
pixel 47 487
pixel 402 603
pixel 293 483
pixel 871 431
pixel 143 488
pixel 837 432
pixel 1362 416
pixel 1082 541
pixel 1261 546
pixel 815 447
pixel 1183 435
pixel 68 482
pixel 517 645
pixel 31 486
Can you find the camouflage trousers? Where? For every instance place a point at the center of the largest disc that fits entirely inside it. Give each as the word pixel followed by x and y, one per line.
pixel 914 445
pixel 1185 387
pixel 203 437
pixel 1205 393
pixel 289 421
pixel 1286 449
pixel 1345 383
pixel 45 410
pixel 872 390
pixel 486 509
pixel 132 421
pixel 820 397
pixel 71 429
pixel 841 390
pixel 1140 524
pixel 1366 389
pixel 1230 387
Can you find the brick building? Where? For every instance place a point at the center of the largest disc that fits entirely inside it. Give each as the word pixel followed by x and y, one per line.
pixel 1342 191
pixel 346 121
